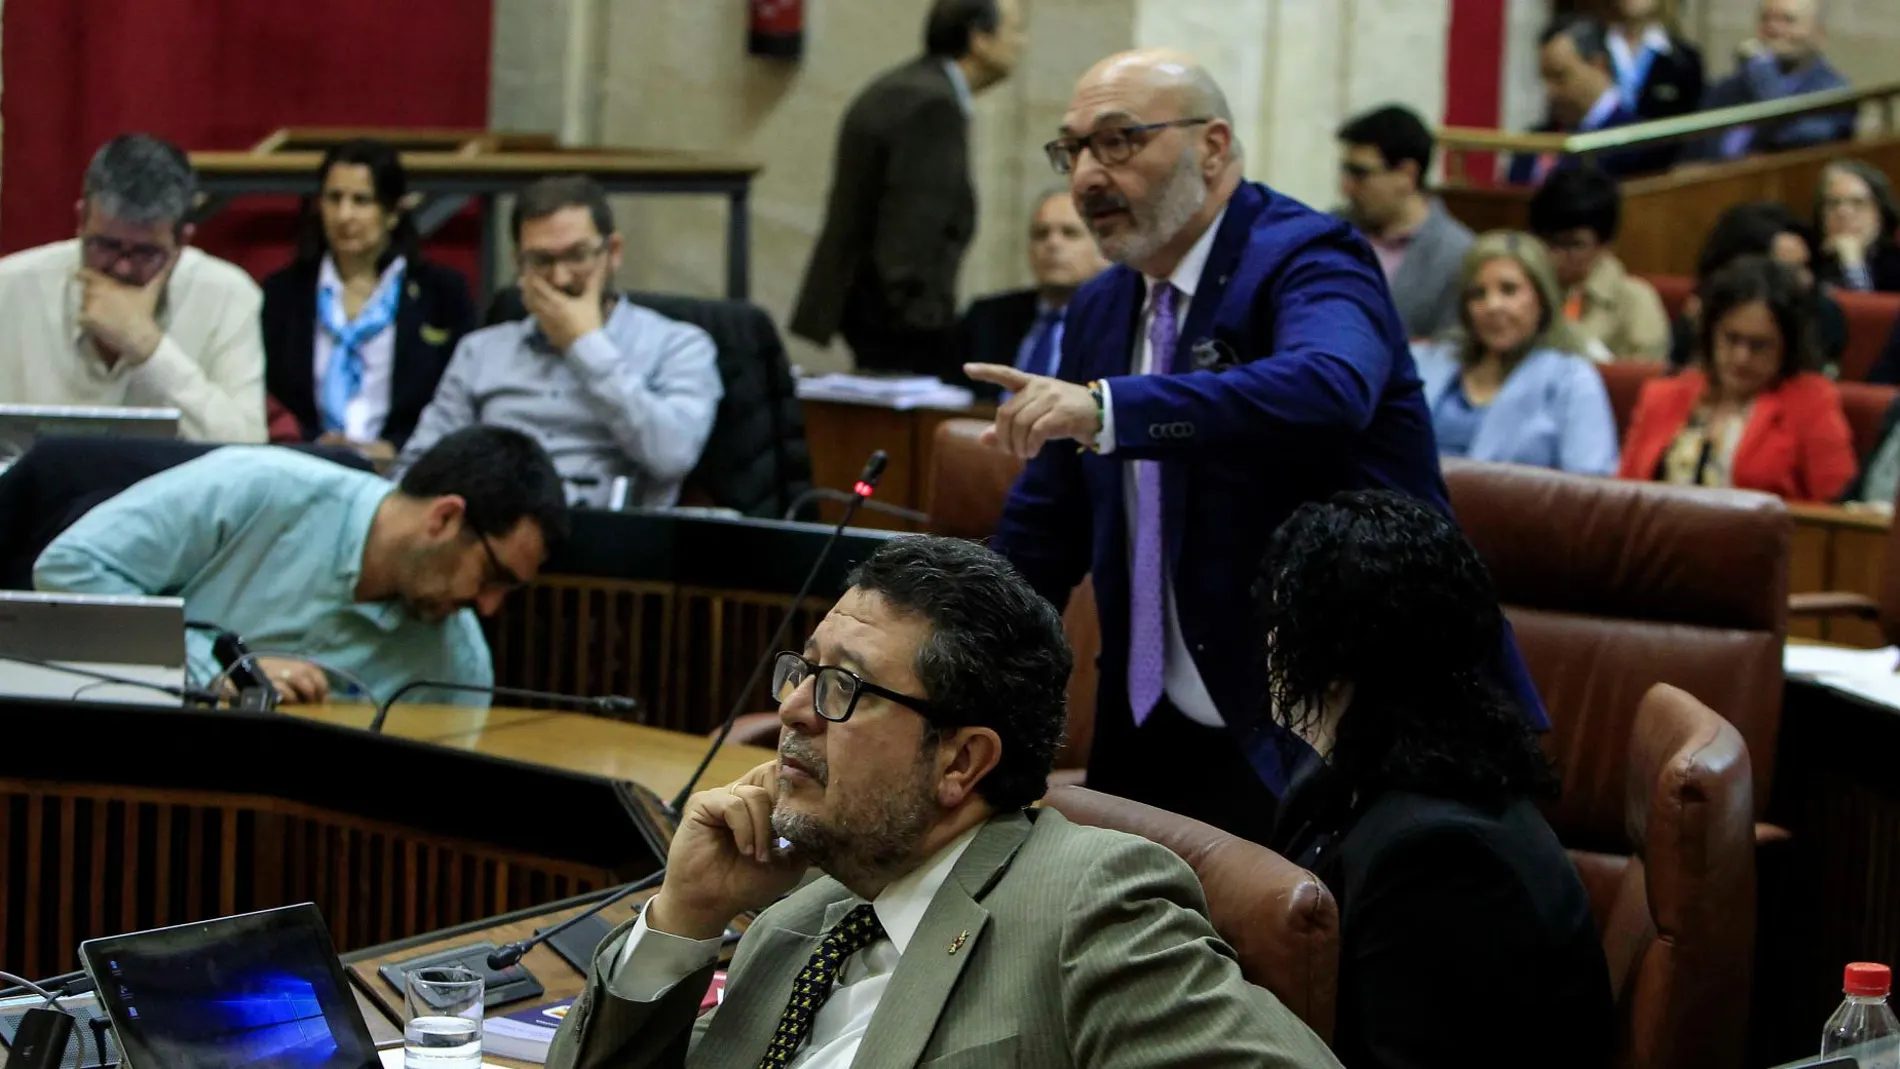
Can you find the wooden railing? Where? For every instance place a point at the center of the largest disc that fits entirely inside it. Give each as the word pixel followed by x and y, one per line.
pixel 1457 141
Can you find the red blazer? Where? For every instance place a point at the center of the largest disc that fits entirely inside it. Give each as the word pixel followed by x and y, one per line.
pixel 1796 444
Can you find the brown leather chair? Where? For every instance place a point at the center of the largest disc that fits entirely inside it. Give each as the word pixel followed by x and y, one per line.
pixel 1865 406
pixel 1614 586
pixel 1680 934
pixel 968 481
pixel 1281 921
pixel 1675 291
pixel 1870 318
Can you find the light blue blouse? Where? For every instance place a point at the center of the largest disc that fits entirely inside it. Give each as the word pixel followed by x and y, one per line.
pixel 1552 412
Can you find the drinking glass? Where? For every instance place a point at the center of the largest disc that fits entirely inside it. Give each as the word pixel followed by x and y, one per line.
pixel 445 1019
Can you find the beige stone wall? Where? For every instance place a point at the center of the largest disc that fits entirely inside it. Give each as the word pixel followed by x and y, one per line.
pixel 675 74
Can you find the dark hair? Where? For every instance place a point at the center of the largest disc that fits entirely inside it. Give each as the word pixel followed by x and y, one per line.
pixel 545 196
pixel 1397 132
pixel 952 23
pixel 391 184
pixel 1759 278
pixel 1381 591
pixel 1586 33
pixel 1578 198
pixel 141 179
pixel 504 476
pixel 1877 185
pixel 996 655
pixel 1745 230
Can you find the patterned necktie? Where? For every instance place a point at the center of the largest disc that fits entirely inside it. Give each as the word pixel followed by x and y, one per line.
pixel 858 929
pixel 1146 644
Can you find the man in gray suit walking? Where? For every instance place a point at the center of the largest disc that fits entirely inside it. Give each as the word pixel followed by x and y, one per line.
pixel 903 208
pixel 954 926
pixel 1384 157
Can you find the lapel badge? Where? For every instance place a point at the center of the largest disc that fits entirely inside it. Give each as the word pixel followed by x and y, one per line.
pixel 1212 354
pixel 957 943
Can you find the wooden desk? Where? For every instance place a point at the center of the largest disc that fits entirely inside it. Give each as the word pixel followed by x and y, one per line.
pixel 1835 549
pixel 654 758
pixel 448 181
pixel 842 434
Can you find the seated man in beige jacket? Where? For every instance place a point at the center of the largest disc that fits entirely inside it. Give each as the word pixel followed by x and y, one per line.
pixel 1576 212
pixel 953 925
pixel 128 314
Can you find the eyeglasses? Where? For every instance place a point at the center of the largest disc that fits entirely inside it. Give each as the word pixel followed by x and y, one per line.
pixel 577 257
pixel 500 574
pixel 1359 172
pixel 141 255
pixel 1113 146
pixel 837 690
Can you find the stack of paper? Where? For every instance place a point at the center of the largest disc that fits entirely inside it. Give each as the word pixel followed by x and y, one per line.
pixel 886 391
pixel 1865 674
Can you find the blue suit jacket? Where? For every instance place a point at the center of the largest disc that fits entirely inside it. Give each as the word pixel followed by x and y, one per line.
pixel 1292 382
pixel 1623 163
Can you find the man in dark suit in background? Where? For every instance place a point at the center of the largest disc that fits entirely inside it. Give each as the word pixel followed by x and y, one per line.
pixel 1023 327
pixel 1242 358
pixel 1573 59
pixel 902 208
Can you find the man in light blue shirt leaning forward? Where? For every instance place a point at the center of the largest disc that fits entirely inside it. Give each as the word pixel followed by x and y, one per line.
pixel 309 558
pixel 609 389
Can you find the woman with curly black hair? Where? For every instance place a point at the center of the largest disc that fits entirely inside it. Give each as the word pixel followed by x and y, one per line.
pixel 1466 934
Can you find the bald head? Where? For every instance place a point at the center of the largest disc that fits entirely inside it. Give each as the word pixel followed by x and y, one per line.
pixel 1791 30
pixel 1148 144
pixel 1165 78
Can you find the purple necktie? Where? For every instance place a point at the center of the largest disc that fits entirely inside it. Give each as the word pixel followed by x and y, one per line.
pixel 1147 648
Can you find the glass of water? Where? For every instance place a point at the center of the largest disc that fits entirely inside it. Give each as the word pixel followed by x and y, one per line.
pixel 445 1019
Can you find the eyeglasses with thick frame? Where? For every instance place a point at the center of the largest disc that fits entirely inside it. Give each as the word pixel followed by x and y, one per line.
pixel 141 255
pixel 1113 146
pixel 536 261
pixel 501 575
pixel 835 684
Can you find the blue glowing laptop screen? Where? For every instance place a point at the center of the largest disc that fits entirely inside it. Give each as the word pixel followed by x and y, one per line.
pixel 233 993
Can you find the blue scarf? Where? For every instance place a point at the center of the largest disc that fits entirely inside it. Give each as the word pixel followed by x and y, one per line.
pixel 343 375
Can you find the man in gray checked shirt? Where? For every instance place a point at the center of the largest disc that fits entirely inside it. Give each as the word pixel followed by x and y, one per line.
pixel 609 388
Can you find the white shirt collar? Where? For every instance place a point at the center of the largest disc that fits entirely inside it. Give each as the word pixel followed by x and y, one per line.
pixel 1187 274
pixel 961 85
pixel 328 278
pixel 902 905
pixel 1601 111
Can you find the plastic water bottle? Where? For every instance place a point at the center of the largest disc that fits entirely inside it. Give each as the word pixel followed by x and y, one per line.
pixel 1864 1027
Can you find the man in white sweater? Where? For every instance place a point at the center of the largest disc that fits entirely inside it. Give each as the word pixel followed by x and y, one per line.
pixel 127 314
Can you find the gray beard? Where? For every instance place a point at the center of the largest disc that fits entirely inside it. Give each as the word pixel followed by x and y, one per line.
pixel 1181 198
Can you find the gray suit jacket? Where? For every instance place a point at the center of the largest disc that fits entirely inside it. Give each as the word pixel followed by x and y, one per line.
pixel 1426 285
pixel 901 212
pixel 1051 944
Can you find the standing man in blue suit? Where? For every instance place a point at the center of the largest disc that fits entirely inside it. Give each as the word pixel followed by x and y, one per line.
pixel 1244 357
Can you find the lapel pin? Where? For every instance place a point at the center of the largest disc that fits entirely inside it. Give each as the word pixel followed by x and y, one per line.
pixel 957 943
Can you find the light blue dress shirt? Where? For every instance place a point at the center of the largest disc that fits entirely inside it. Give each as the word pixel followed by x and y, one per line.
pixel 1551 412
pixel 266 542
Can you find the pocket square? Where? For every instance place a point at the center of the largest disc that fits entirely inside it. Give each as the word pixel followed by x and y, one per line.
pixel 435 335
pixel 1212 354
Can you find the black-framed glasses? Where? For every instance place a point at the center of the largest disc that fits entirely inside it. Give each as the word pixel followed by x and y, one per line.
pixel 577 258
pixel 500 574
pixel 1113 146
pixel 141 255
pixel 837 690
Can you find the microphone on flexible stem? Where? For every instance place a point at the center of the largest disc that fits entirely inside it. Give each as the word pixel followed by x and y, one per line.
pixel 196 695
pixel 504 956
pixel 254 688
pixel 862 489
pixel 611 703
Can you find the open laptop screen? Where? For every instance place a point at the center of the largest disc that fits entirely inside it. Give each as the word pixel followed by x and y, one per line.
pixel 260 990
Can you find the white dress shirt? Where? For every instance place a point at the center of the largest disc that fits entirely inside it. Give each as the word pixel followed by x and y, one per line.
pixel 209 366
pixel 364 416
pixel 1623 60
pixel 1181 678
pixel 652 962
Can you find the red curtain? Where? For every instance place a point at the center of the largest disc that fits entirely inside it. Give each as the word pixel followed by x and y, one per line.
pixel 222 74
pixel 1474 76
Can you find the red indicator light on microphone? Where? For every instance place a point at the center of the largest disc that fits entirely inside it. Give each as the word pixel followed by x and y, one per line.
pixel 863 489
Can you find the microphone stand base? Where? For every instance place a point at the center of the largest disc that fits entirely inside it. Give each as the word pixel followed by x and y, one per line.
pixel 500 987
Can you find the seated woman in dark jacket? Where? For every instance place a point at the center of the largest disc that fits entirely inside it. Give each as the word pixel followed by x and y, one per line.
pixel 1856 218
pixel 359 328
pixel 1466 934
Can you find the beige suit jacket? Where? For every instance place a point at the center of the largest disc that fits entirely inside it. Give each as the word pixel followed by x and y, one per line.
pixel 1051 944
pixel 1624 313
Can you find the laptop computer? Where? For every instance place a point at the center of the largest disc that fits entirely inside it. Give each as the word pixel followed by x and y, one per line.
pixel 137 637
pixel 259 990
pixel 22 425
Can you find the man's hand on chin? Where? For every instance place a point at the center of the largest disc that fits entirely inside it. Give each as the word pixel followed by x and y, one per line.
pixel 121 319
pixel 564 319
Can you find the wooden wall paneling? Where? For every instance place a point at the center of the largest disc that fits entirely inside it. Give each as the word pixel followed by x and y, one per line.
pixel 1856 565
